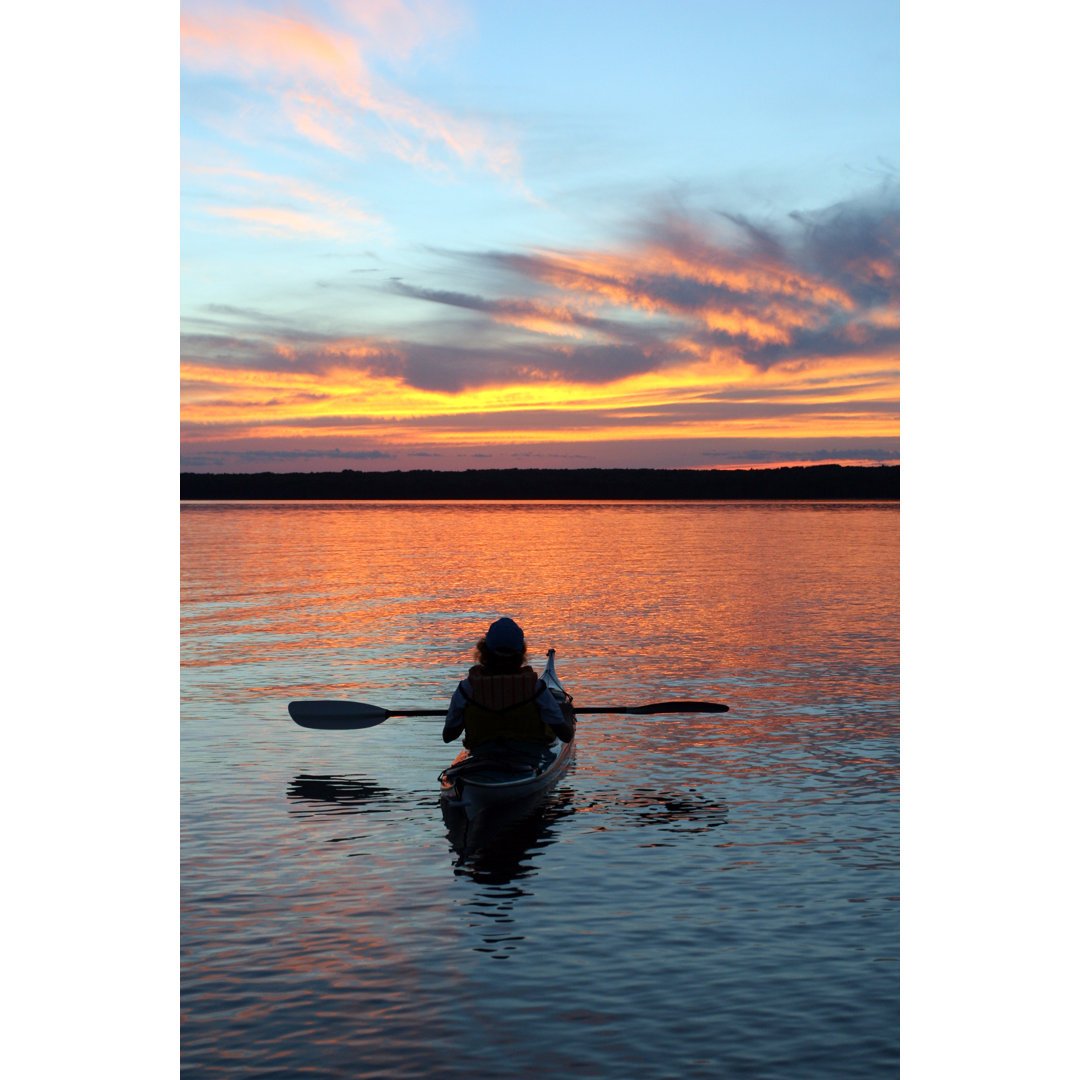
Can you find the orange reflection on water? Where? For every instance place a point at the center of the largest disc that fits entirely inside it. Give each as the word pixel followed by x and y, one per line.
pixel 643 602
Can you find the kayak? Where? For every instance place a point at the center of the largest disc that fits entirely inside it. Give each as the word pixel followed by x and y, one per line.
pixel 509 775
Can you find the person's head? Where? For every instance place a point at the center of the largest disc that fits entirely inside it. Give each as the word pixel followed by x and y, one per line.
pixel 502 648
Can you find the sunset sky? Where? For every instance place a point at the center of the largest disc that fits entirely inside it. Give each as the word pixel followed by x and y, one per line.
pixel 442 234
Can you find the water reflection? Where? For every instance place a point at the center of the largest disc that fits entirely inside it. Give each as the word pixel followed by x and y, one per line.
pixel 667 811
pixel 495 849
pixel 340 795
pixel 495 846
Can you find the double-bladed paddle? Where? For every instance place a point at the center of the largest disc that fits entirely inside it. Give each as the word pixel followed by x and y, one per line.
pixel 351 715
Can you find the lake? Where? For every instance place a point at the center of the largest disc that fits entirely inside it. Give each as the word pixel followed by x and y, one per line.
pixel 701 896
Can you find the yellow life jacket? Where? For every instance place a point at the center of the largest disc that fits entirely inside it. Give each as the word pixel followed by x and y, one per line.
pixel 504 707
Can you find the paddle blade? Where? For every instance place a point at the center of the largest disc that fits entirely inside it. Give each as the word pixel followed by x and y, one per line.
pixel 681 706
pixel 336 715
pixel 659 707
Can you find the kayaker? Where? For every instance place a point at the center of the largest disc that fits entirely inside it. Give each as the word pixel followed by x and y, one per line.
pixel 502 700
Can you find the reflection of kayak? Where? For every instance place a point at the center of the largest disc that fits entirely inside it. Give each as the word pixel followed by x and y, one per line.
pixel 505 773
pixel 497 845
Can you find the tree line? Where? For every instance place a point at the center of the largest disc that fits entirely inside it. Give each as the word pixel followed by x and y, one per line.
pixel 789 482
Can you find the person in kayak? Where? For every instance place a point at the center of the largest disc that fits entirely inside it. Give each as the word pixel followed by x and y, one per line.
pixel 502 701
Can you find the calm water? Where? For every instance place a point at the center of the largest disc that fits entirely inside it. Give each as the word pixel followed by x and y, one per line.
pixel 702 896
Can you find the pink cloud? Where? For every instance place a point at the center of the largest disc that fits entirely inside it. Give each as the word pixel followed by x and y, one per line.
pixel 253 42
pixel 323 81
pixel 278 220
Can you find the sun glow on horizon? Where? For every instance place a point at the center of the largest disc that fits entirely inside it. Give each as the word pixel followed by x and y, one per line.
pixel 849 396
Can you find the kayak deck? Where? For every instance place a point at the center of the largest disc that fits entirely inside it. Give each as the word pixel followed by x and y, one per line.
pixel 503 774
pixel 501 765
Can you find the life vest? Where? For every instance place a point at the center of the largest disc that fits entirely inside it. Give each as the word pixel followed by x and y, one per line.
pixel 504 707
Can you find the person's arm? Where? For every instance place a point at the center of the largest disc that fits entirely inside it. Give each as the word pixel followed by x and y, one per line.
pixel 552 715
pixel 455 716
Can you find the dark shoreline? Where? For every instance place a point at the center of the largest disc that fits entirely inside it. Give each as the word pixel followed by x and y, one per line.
pixel 817 482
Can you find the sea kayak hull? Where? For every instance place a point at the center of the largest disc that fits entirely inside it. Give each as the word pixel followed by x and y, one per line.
pixel 476 782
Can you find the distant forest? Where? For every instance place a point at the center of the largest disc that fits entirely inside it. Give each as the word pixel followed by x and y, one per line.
pixel 797 482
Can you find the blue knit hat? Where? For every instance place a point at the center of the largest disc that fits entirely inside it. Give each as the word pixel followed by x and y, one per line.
pixel 505 637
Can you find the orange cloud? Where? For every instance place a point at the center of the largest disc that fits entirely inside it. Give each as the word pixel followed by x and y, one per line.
pixel 620 278
pixel 740 325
